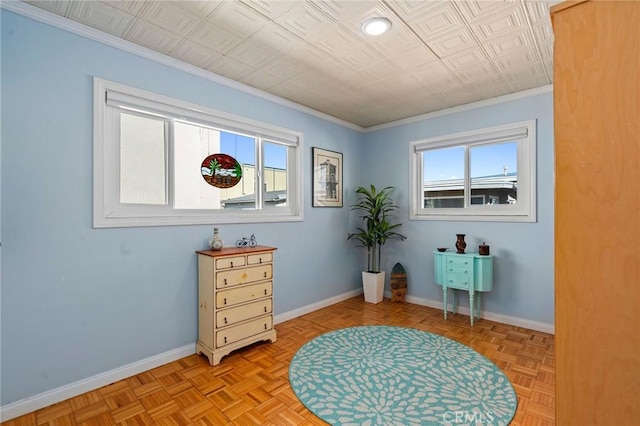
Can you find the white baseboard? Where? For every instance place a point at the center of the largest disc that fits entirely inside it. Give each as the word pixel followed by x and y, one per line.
pixel 504 319
pixel 286 316
pixel 437 304
pixel 44 399
pixel 36 402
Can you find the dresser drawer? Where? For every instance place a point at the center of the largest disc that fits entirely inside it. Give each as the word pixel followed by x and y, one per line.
pixel 230 262
pixel 460 262
pixel 257 259
pixel 243 294
pixel 459 269
pixel 231 316
pixel 459 281
pixel 238 332
pixel 233 277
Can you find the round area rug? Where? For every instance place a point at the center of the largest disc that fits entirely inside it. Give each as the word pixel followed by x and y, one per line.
pixel 381 375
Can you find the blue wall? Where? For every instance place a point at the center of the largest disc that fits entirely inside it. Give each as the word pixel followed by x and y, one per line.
pixel 523 264
pixel 78 301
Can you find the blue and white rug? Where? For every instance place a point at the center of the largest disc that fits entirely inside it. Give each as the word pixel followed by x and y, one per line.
pixel 378 375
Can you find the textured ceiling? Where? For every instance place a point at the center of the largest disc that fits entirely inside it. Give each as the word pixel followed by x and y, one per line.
pixel 438 54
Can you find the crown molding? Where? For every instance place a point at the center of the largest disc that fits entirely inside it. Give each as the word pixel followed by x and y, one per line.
pixel 466 107
pixel 82 30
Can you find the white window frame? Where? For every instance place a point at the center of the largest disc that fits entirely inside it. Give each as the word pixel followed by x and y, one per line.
pixel 111 98
pixel 524 133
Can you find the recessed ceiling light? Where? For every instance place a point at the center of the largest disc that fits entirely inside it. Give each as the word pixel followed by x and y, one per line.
pixel 376 26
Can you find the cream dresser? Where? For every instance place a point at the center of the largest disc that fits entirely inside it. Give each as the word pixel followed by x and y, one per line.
pixel 235 299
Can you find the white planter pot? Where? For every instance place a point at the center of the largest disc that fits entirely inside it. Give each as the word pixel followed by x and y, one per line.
pixel 373 286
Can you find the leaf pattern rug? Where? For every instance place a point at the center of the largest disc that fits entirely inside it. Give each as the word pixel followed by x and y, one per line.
pixel 381 375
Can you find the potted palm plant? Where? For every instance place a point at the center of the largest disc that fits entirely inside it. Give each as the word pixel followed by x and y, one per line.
pixel 374 208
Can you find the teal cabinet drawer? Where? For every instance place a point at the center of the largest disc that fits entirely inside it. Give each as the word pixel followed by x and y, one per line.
pixel 459 261
pixel 459 269
pixel 459 281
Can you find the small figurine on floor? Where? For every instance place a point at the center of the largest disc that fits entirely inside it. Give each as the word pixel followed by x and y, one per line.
pixel 398 283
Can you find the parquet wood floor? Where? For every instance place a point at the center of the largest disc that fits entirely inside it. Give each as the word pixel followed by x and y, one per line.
pixel 250 386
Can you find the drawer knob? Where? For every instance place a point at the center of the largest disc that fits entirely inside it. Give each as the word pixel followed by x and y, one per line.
pixel 225 339
pixel 265 291
pixel 225 320
pixel 260 260
pixel 265 274
pixel 225 281
pixel 265 309
pixel 225 301
pixel 232 263
pixel 265 326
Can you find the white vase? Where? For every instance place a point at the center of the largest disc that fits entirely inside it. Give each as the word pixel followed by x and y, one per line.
pixel 373 286
pixel 216 243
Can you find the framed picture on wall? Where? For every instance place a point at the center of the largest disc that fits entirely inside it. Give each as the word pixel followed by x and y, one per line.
pixel 327 178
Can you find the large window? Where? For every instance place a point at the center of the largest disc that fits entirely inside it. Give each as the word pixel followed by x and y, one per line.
pixel 161 161
pixel 486 174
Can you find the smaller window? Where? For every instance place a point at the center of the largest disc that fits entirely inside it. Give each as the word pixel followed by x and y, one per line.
pixel 486 174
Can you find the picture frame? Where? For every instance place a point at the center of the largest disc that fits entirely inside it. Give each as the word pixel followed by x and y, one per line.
pixel 327 178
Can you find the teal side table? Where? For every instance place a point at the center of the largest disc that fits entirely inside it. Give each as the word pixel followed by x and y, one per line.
pixel 463 271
